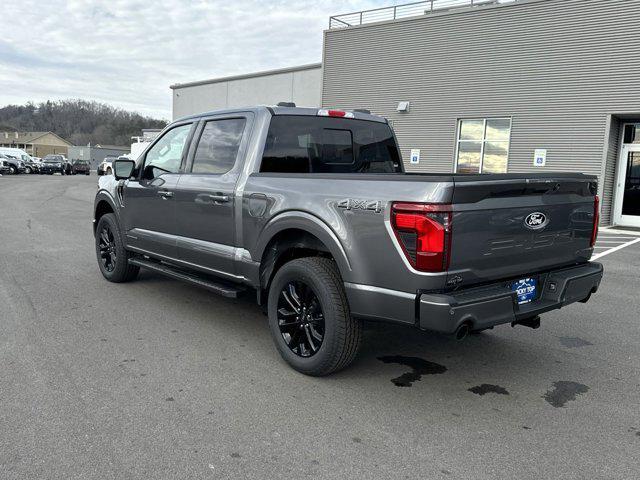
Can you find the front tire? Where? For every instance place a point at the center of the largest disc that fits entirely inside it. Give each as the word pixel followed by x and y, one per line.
pixel 309 317
pixel 13 170
pixel 113 258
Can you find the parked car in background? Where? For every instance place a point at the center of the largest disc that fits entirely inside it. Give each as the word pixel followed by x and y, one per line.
pixel 31 166
pixel 106 166
pixel 80 166
pixel 55 164
pixel 4 166
pixel 15 165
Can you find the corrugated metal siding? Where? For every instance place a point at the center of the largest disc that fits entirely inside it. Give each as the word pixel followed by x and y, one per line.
pixel 559 68
pixel 612 153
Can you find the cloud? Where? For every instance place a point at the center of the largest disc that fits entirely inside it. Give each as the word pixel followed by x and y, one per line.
pixel 127 52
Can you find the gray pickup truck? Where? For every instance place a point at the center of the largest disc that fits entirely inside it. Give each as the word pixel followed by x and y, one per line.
pixel 312 210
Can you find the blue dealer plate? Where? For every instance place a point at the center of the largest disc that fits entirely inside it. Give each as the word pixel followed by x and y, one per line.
pixel 526 289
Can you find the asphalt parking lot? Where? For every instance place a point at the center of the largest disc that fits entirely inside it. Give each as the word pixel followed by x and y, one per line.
pixel 158 379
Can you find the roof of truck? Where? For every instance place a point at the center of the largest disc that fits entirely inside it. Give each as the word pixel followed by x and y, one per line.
pixel 278 110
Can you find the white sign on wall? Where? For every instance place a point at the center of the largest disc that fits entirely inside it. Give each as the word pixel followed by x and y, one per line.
pixel 540 158
pixel 415 156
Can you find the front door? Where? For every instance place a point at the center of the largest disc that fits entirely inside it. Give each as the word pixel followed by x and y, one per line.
pixel 628 191
pixel 149 214
pixel 205 195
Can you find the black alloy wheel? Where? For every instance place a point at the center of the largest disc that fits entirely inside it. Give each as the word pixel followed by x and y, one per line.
pixel 300 318
pixel 107 245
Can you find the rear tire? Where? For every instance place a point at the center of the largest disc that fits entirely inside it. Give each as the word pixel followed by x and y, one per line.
pixel 13 170
pixel 113 258
pixel 341 333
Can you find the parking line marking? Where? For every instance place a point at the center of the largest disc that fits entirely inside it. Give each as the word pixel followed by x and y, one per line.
pixel 613 231
pixel 611 241
pixel 615 249
pixel 608 237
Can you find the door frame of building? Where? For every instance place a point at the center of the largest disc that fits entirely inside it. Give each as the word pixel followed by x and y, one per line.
pixel 618 217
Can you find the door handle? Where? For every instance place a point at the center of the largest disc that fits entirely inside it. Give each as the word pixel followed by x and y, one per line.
pixel 219 198
pixel 209 199
pixel 165 194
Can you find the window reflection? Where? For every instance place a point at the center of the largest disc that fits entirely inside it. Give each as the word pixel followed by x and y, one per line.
pixel 483 145
pixel 632 133
pixel 472 130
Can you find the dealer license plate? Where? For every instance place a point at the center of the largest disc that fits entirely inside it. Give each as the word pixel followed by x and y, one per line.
pixel 526 290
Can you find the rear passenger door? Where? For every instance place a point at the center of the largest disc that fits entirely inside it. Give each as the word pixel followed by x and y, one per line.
pixel 205 194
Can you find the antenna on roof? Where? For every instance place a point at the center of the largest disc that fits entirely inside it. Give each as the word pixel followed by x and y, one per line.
pixel 362 110
pixel 286 104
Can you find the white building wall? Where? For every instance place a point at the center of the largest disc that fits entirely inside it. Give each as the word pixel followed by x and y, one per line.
pixel 302 85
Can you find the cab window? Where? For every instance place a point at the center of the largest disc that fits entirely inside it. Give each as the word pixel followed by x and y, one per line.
pixel 218 146
pixel 166 155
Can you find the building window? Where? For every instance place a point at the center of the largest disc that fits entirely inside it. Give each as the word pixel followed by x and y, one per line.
pixel 632 133
pixel 483 145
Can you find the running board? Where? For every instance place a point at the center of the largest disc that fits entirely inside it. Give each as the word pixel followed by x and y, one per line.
pixel 220 287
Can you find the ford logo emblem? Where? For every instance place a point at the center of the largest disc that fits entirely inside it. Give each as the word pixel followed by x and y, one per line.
pixel 536 221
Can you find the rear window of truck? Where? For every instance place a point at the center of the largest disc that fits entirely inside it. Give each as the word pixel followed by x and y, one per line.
pixel 305 144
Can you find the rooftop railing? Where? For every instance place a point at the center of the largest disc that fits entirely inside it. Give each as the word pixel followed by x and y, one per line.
pixel 414 9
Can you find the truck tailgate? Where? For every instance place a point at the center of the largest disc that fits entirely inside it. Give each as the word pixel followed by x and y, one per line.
pixel 514 226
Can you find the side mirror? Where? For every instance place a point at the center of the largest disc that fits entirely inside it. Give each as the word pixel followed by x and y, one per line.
pixel 122 169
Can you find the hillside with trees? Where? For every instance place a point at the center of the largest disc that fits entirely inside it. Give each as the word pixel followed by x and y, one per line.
pixel 79 121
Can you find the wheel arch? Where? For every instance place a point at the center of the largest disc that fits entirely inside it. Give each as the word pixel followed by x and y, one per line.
pixel 103 204
pixel 294 235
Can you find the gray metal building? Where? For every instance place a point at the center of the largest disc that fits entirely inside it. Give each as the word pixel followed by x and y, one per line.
pixel 479 86
pixel 301 85
pixel 492 86
pixel 94 154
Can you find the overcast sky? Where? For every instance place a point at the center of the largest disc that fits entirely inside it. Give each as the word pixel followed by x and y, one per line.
pixel 127 52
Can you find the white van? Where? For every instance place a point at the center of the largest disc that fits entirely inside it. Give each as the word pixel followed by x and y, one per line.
pixel 17 152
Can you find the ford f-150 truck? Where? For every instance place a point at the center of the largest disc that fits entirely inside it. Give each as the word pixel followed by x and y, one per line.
pixel 312 210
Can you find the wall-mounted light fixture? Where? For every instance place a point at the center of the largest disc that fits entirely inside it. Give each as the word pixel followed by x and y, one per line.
pixel 404 107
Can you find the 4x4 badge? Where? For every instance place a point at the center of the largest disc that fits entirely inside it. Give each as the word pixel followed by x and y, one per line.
pixel 354 204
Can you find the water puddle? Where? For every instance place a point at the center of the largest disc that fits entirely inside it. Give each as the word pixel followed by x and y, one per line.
pixel 564 392
pixel 419 367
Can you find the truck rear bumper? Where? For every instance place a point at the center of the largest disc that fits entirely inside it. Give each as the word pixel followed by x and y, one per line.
pixel 480 307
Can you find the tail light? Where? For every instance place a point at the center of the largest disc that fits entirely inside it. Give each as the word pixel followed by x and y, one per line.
pixel 596 220
pixel 424 233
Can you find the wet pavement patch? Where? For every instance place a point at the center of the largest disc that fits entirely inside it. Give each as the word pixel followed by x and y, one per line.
pixel 574 342
pixel 488 388
pixel 419 367
pixel 563 392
